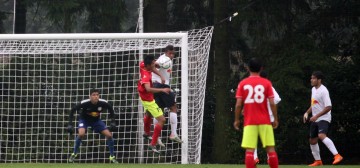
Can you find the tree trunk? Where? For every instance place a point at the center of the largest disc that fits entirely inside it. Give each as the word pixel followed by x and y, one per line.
pixel 222 73
pixel 20 17
pixel 155 16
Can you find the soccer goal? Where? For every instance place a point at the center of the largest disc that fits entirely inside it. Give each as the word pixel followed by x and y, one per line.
pixel 44 75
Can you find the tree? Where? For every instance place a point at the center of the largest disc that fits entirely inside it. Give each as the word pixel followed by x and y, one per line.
pixel 155 15
pixel 105 17
pixel 20 16
pixel 223 118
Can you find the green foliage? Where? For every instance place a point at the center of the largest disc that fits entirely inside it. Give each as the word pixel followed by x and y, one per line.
pixel 2 17
pixel 104 17
pixel 295 38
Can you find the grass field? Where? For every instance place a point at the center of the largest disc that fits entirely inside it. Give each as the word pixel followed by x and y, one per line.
pixel 44 165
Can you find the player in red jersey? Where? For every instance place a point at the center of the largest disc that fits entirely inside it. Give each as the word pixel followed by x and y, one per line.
pixel 252 94
pixel 146 92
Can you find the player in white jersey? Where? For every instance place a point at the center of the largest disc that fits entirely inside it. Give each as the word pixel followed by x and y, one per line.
pixel 320 120
pixel 277 100
pixel 166 100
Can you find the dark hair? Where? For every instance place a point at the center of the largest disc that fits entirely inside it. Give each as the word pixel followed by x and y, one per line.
pixel 93 91
pixel 263 74
pixel 318 74
pixel 148 59
pixel 169 48
pixel 255 65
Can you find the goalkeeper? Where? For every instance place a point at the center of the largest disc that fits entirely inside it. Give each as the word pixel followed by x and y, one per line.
pixel 90 110
pixel 166 100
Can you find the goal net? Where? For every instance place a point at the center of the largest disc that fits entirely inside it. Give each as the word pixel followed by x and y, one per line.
pixel 44 75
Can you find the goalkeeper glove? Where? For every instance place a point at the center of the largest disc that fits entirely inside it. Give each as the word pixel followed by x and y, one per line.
pixel 112 126
pixel 70 129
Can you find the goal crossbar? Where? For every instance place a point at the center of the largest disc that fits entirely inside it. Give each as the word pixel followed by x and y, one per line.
pixel 89 36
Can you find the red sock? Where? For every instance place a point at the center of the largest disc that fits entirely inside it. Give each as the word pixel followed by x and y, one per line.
pixel 157 131
pixel 147 124
pixel 249 160
pixel 273 160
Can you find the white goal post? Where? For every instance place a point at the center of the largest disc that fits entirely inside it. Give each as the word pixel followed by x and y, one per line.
pixel 43 75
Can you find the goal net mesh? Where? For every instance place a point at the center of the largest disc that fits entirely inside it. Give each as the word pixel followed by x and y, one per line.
pixel 42 79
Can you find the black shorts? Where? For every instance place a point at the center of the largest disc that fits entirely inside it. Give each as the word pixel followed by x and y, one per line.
pixel 319 127
pixel 162 99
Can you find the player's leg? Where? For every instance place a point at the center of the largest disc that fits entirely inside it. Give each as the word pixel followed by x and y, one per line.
pixel 147 125
pixel 157 129
pixel 81 134
pixel 314 146
pixel 160 103
pixel 323 130
pixel 249 142
pixel 147 120
pixel 100 127
pixel 256 158
pixel 159 141
pixel 173 123
pixel 266 133
pixel 169 101
pixel 157 113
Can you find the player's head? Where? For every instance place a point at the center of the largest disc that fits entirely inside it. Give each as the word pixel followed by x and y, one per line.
pixel 316 78
pixel 94 96
pixel 169 51
pixel 255 65
pixel 263 74
pixel 149 61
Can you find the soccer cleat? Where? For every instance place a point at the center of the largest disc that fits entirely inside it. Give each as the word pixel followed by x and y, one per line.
pixel 148 137
pixel 153 148
pixel 160 143
pixel 113 160
pixel 175 139
pixel 72 157
pixel 257 161
pixel 337 159
pixel 316 163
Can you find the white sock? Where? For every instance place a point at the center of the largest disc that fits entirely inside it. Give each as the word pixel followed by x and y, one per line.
pixel 315 150
pixel 155 121
pixel 255 153
pixel 173 122
pixel 330 145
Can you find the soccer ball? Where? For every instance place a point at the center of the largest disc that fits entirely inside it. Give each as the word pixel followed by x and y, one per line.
pixel 165 62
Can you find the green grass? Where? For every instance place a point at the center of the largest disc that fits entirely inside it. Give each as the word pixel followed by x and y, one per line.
pixel 59 165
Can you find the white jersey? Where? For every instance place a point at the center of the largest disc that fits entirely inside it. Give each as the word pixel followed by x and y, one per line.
pixel 277 99
pixel 164 72
pixel 320 99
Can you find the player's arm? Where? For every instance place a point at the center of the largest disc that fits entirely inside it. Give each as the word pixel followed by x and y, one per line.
pixel 156 71
pixel 70 127
pixel 156 90
pixel 238 109
pixel 306 114
pixel 324 111
pixel 274 111
pixel 111 116
pixel 72 111
pixel 111 111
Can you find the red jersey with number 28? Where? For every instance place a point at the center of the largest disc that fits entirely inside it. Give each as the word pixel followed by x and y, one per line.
pixel 254 92
pixel 145 77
